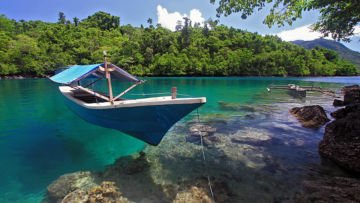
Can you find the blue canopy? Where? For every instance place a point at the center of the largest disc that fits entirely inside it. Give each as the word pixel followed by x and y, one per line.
pixel 78 72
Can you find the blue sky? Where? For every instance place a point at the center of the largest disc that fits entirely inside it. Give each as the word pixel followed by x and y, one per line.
pixel 136 12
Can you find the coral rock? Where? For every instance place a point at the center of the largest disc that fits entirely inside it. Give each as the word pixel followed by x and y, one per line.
pixel 105 193
pixel 67 183
pixel 200 129
pixel 193 195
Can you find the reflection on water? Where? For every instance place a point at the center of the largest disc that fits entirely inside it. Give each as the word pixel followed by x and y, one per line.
pixel 257 145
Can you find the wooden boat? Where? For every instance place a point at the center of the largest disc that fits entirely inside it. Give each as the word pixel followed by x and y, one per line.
pixel 301 91
pixel 147 119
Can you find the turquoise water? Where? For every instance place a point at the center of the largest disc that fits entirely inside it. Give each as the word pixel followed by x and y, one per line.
pixel 40 139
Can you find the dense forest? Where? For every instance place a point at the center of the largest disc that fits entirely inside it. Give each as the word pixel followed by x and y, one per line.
pixel 38 48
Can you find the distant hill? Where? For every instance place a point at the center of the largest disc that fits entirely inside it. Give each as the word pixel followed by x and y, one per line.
pixel 343 51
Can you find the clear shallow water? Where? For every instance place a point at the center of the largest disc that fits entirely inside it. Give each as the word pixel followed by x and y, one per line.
pixel 41 139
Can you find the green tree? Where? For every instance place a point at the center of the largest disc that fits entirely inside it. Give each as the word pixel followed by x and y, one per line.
pixel 338 18
pixel 38 48
pixel 62 18
pixel 76 21
pixel 150 22
pixel 102 20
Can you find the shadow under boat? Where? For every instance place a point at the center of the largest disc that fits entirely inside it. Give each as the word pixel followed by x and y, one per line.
pixel 147 119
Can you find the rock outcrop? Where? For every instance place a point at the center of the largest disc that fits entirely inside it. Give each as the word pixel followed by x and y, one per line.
pixel 338 102
pixel 343 112
pixel 310 116
pixel 351 94
pixel 341 142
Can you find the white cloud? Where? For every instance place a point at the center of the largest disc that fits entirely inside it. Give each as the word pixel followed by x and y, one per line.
pixel 300 33
pixel 169 20
pixel 305 33
pixel 196 17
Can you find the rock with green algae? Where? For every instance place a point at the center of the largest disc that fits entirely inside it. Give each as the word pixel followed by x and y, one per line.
pixel 107 192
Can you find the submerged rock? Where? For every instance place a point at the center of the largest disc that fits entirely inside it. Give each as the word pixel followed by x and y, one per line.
pixel 341 142
pixel 128 165
pixel 193 195
pixel 227 106
pixel 330 189
pixel 68 183
pixel 201 129
pixel 310 116
pixel 105 193
pixel 198 131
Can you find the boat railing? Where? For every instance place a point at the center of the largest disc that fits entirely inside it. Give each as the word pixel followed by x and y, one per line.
pixel 159 94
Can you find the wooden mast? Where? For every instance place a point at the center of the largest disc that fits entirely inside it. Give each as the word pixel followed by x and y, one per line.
pixel 108 77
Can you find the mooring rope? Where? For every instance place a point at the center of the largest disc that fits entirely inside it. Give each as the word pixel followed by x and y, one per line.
pixel 204 158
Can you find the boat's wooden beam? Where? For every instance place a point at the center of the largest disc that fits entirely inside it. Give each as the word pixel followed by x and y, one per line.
pixel 103 69
pixel 127 90
pixel 93 93
pixel 108 77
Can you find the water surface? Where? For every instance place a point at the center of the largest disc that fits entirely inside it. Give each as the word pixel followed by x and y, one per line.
pixel 40 139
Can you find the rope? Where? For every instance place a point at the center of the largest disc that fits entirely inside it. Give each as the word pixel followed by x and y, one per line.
pixel 203 154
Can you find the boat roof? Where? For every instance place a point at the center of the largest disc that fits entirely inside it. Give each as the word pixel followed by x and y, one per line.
pixel 78 72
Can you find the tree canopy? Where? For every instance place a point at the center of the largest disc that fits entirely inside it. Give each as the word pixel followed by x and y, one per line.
pixel 38 48
pixel 338 18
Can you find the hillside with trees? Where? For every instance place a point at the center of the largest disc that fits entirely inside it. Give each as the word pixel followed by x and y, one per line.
pixel 37 48
pixel 343 51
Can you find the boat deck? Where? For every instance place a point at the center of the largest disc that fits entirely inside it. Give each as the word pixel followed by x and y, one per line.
pixel 123 103
pixel 88 97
